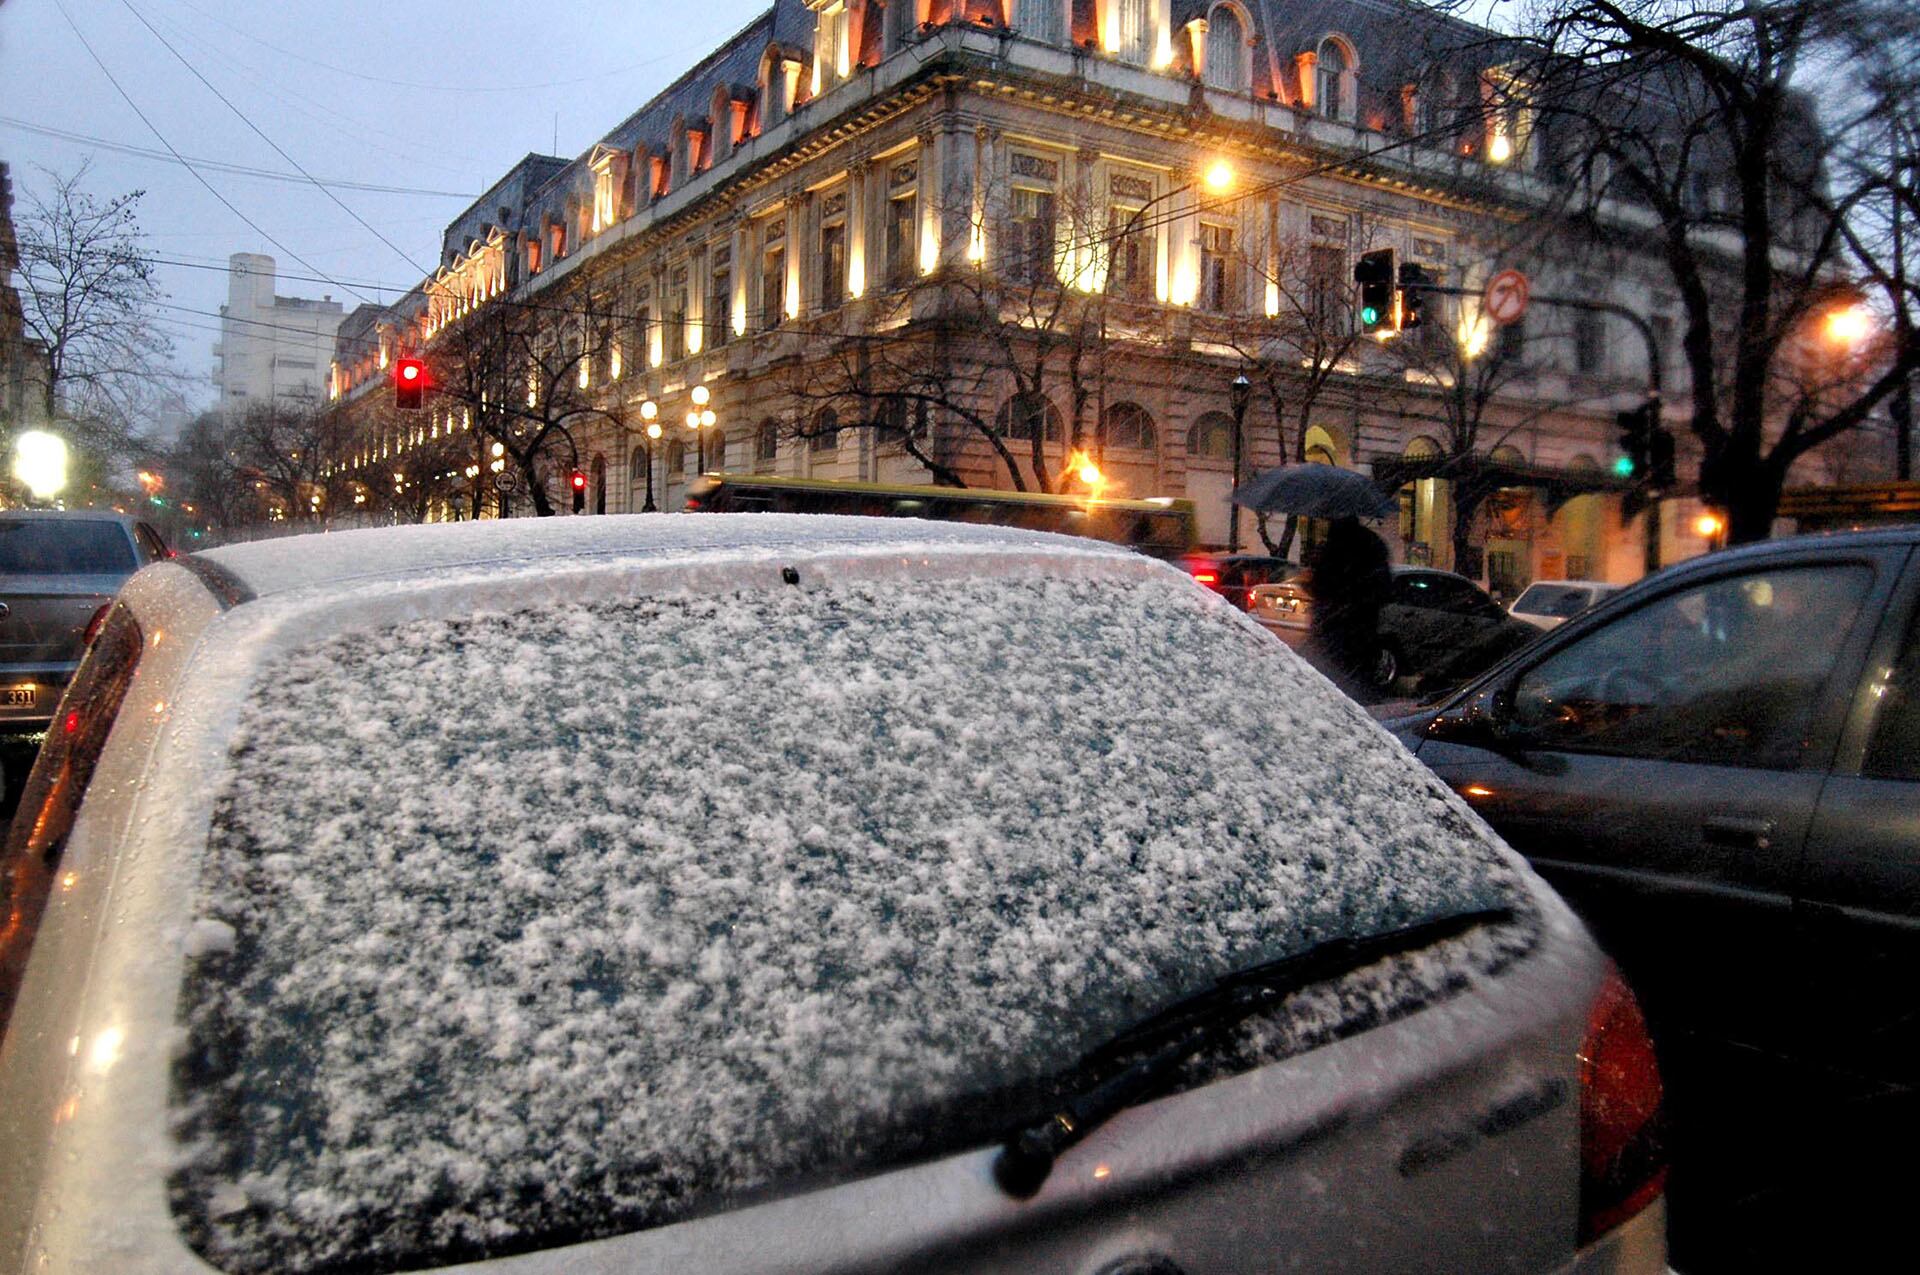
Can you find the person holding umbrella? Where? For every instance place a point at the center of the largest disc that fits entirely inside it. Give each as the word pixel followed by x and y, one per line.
pixel 1349 578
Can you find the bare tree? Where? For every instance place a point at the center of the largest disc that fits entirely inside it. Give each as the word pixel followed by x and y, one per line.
pixel 298 461
pixel 523 376
pixel 88 292
pixel 1707 119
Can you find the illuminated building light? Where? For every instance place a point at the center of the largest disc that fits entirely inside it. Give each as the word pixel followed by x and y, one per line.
pixel 1499 149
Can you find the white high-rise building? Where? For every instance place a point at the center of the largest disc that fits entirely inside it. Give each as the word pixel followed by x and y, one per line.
pixel 272 349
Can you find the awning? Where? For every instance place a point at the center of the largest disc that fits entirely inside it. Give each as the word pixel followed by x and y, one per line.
pixel 1485 476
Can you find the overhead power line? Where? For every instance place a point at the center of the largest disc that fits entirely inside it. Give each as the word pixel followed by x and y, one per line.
pixel 261 134
pixel 221 165
pixel 197 175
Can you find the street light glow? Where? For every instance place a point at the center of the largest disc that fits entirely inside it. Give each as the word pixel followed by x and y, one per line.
pixel 649 410
pixel 1849 324
pixel 40 463
pixel 700 396
pixel 1219 176
pixel 1708 525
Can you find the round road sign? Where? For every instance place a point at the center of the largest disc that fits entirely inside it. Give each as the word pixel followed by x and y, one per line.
pixel 506 482
pixel 1506 296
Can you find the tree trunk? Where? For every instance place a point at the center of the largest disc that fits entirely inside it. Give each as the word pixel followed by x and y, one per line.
pixel 1747 486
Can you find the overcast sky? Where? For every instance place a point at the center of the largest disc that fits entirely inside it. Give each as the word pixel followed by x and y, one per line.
pixel 427 95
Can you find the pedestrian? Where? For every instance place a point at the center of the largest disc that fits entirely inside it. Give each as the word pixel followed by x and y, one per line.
pixel 1349 586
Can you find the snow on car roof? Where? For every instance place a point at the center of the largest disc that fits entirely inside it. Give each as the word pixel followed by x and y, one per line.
pixel 587 916
pixel 342 557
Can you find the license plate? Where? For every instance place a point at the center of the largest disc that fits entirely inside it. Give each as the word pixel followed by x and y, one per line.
pixel 19 696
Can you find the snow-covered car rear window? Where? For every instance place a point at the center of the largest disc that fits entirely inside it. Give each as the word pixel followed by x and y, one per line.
pixel 525 927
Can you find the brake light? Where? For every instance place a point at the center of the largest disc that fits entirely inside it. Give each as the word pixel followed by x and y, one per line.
pixel 93 625
pixel 70 723
pixel 1205 577
pixel 1623 1155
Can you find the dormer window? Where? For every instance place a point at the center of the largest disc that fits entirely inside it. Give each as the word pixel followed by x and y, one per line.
pixel 1335 89
pixel 1042 20
pixel 832 47
pixel 1227 54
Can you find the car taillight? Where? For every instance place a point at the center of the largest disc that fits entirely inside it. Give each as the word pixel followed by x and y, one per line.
pixel 1205 577
pixel 93 625
pixel 1623 1154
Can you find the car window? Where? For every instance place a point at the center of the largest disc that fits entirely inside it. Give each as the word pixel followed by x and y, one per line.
pixel 63 546
pixel 839 876
pixel 1727 672
pixel 1418 590
pixel 1556 601
pixel 1893 752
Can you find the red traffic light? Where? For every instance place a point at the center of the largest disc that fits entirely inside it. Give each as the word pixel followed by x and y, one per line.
pixel 410 380
pixel 579 481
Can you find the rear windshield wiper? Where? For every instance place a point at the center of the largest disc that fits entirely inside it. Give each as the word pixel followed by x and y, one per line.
pixel 1189 1025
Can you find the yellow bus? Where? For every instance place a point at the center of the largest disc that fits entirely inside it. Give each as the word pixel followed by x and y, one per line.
pixel 1160 526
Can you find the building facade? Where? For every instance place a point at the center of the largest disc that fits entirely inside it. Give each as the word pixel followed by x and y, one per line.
pixel 980 240
pixel 273 351
pixel 24 374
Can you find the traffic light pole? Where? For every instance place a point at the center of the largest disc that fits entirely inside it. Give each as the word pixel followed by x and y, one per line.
pixel 1653 400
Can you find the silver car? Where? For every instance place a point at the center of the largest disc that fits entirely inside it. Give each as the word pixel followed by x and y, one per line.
pixel 776 893
pixel 1548 604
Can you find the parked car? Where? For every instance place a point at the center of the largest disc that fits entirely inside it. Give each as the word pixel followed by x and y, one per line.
pixel 1234 575
pixel 1436 630
pixel 776 893
pixel 58 571
pixel 1548 604
pixel 1720 769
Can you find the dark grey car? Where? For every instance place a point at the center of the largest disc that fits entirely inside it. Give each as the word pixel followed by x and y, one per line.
pixel 57 571
pixel 1720 769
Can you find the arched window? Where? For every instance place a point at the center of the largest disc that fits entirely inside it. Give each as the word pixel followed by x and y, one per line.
pixel 1322 447
pixel 825 434
pixel 1508 454
pixel 598 476
pixel 1226 50
pixel 676 456
pixel 1333 82
pixel 713 450
pixel 766 442
pixel 637 465
pixel 1129 426
pixel 1211 437
pixel 1021 415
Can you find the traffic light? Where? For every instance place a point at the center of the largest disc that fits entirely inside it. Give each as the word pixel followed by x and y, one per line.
pixel 409 383
pixel 1374 273
pixel 1636 442
pixel 579 483
pixel 1660 455
pixel 1414 282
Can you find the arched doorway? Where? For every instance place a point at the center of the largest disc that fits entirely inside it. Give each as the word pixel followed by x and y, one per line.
pixel 1321 449
pixel 1577 527
pixel 1210 474
pixel 1426 511
pixel 1511 522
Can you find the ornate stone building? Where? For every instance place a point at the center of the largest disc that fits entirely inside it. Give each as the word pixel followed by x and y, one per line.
pixel 929 239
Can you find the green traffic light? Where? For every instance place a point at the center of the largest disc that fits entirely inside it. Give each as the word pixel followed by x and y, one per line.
pixel 1369 315
pixel 1623 466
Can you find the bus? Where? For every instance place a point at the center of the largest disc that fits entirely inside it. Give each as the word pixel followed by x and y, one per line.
pixel 1160 526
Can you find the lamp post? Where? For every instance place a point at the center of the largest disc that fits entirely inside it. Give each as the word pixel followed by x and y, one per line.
pixel 650 413
pixel 1237 395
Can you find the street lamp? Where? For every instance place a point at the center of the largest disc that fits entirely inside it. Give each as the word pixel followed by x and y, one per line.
pixel 650 413
pixel 1850 324
pixel 1237 395
pixel 40 463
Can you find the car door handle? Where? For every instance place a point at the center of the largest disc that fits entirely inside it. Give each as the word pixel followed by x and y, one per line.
pixel 1737 834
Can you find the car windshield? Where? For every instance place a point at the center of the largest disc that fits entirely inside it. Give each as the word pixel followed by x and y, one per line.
pixel 63 546
pixel 585 918
pixel 1555 601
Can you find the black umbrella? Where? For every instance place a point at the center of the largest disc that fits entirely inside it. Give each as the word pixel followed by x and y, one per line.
pixel 1315 491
